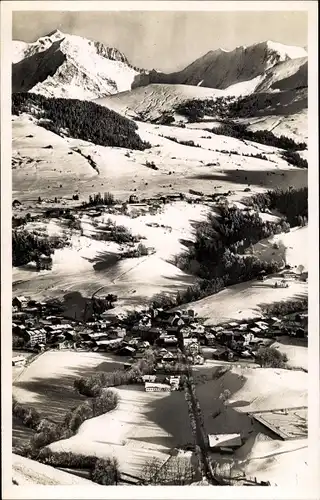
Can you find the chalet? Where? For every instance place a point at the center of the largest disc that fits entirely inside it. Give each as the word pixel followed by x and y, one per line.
pixel 170 340
pixel 31 310
pixel 62 344
pixel 109 344
pixel 185 332
pixel 174 381
pixel 197 328
pixel 176 321
pixel 18 361
pixel 160 354
pixel 174 197
pixel 243 327
pixel 151 334
pixel 248 338
pixel 262 325
pixel 220 353
pixel 168 357
pixel 133 199
pixel 20 302
pixel 256 330
pixel 34 337
pixel 192 345
pixel 16 203
pixel 44 262
pixel 149 378
pixel 233 324
pixel 161 315
pixel 216 329
pixel 144 345
pixel 218 441
pixel 126 351
pixel 198 359
pixel 18 329
pixel 55 320
pixel 209 339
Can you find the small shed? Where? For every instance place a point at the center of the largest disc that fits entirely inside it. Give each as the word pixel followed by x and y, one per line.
pixel 19 302
pixel 216 441
pixel 18 361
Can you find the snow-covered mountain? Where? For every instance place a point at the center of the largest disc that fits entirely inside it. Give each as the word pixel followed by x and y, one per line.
pixel 61 65
pixel 221 68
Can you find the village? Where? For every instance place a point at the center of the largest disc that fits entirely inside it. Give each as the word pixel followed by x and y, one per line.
pixel 39 326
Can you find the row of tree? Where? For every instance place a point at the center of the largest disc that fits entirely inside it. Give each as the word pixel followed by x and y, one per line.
pixel 265 137
pixel 98 199
pixel 94 385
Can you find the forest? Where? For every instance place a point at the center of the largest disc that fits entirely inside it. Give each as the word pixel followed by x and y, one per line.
pixel 226 108
pixel 265 137
pixel 291 203
pixel 83 120
pixel 295 159
pixel 27 247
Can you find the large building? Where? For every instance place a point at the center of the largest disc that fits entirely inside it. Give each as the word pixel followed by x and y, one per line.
pixel 157 387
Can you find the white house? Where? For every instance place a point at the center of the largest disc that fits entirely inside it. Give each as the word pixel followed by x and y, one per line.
pixel 224 440
pixel 18 361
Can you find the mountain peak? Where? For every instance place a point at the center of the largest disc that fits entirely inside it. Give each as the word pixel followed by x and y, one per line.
pixel 63 65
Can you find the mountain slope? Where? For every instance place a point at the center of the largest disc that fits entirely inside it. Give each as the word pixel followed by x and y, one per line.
pixel 288 75
pixel 221 69
pixel 151 101
pixel 60 65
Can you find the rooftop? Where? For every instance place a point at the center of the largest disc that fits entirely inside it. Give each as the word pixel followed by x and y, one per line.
pixel 288 423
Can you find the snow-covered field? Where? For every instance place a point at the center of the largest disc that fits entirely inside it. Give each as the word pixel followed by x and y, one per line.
pixel 28 472
pixel 217 164
pixel 47 383
pixel 244 300
pixel 84 267
pixel 144 425
pixel 296 352
pixel 257 389
pixel 290 246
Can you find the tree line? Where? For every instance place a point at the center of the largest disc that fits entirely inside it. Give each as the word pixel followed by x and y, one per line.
pixel 83 120
pixel 105 471
pixel 291 203
pixel 266 137
pixel 93 385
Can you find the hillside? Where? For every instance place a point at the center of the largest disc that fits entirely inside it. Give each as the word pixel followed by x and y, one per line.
pixel 291 74
pixel 63 65
pixel 221 69
pixel 152 100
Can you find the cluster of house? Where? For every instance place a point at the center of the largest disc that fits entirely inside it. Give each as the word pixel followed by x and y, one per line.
pixel 242 338
pixel 39 324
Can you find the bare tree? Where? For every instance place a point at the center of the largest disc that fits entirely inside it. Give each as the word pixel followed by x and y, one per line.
pixel 176 471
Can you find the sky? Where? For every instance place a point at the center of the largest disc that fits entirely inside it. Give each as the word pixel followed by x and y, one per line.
pixel 167 41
